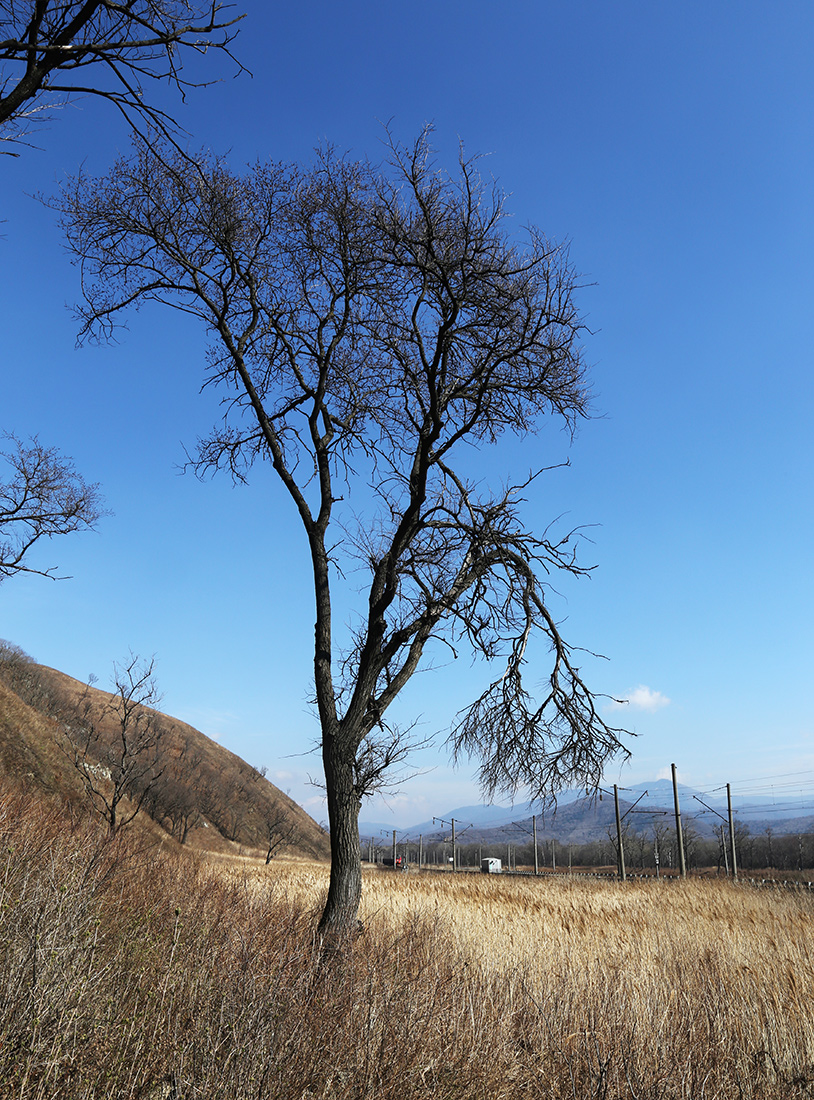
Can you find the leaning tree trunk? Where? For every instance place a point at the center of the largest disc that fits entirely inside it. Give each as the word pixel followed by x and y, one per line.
pixel 340 916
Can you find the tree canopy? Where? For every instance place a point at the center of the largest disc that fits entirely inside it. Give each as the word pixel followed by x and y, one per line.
pixel 47 48
pixel 43 496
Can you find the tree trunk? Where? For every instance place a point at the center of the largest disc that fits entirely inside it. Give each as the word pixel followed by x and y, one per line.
pixel 340 916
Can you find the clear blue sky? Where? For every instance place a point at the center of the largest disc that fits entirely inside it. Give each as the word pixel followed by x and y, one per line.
pixel 673 145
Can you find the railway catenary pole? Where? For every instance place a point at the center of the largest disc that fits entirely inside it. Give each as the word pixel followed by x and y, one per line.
pixel 534 831
pixel 682 865
pixel 620 848
pixel 731 832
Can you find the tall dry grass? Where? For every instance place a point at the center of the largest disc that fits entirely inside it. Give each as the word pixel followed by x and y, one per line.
pixel 132 973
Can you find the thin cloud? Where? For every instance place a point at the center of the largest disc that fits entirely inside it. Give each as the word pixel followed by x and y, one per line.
pixel 642 698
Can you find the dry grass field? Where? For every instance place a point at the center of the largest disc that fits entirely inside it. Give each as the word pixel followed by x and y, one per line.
pixel 136 973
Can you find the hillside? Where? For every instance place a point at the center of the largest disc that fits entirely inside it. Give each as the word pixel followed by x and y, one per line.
pixel 199 792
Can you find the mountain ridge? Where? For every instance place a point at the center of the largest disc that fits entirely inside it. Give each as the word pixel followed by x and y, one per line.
pixel 575 818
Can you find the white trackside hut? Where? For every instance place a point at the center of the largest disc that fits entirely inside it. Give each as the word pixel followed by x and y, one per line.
pixel 491 866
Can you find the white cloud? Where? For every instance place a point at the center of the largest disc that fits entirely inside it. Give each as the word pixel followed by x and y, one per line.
pixel 642 698
pixel 316 805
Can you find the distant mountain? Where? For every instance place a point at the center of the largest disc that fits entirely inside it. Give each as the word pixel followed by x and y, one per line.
pixel 778 807
pixel 479 816
pixel 783 827
pixel 658 792
pixel 577 819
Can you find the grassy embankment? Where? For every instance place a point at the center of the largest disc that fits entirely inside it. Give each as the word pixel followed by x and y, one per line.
pixel 130 973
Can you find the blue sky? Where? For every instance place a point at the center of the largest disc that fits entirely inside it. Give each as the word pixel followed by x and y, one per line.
pixel 673 145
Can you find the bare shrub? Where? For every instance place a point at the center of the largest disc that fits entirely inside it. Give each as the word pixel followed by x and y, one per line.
pixel 116 743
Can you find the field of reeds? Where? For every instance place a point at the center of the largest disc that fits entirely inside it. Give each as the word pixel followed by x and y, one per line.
pixel 128 971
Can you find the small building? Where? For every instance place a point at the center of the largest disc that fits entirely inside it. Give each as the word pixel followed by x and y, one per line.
pixel 491 866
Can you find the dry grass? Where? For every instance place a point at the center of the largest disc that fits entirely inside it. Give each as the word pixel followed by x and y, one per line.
pixel 132 974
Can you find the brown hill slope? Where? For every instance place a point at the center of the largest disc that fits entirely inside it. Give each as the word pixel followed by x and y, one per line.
pixel 28 747
pixel 198 791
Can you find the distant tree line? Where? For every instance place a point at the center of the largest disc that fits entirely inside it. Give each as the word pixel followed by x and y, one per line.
pixel 645 850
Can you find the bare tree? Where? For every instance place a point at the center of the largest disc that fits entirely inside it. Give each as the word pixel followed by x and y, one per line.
pixel 234 807
pixel 692 843
pixel 743 841
pixel 279 826
pixel 115 743
pixel 43 496
pixel 372 327
pixel 280 829
pixel 172 800
pixel 48 46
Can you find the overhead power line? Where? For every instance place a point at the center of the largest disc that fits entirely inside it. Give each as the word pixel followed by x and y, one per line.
pixel 767 780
